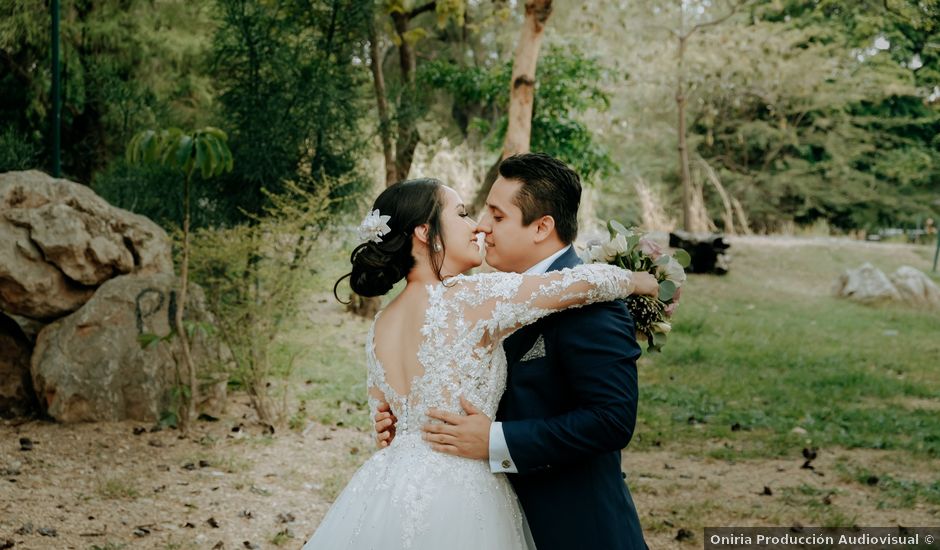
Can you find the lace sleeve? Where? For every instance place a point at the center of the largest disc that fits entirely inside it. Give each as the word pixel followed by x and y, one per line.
pixel 505 302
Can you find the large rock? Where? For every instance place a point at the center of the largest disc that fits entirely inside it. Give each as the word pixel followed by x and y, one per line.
pixel 89 365
pixel 16 389
pixel 59 240
pixel 866 284
pixel 28 284
pixel 916 287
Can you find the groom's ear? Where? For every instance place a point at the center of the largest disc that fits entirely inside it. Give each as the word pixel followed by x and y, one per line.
pixel 545 226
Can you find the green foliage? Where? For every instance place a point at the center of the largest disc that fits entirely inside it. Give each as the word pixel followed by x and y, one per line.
pixel 569 83
pixel 154 191
pixel 251 275
pixel 292 92
pixel 205 150
pixel 795 142
pixel 16 152
pixel 124 64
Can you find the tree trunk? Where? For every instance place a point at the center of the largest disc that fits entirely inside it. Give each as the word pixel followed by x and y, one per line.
pixel 381 101
pixel 521 91
pixel 407 132
pixel 684 171
pixel 522 85
pixel 190 404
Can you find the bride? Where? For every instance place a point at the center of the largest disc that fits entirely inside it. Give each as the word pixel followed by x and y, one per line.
pixel 437 341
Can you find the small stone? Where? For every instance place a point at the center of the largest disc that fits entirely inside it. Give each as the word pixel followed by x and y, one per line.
pixel 26 444
pixel 139 430
pixel 767 491
pixel 189 466
pixel 799 431
pixel 47 532
pixel 155 443
pixel 245 514
pixel 26 529
pixel 6 543
pixel 213 523
pixel 250 545
pixel 286 518
pixel 141 532
pixel 684 534
pixel 204 464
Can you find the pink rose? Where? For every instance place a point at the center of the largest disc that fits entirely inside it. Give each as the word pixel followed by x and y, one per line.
pixel 671 309
pixel 651 248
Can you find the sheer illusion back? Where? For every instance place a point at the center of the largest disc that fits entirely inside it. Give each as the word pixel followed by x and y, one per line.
pixel 466 320
pixel 409 496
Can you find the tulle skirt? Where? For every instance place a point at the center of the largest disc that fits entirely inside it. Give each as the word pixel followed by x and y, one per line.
pixel 408 496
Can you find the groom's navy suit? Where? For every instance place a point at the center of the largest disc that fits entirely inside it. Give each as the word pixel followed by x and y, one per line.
pixel 566 413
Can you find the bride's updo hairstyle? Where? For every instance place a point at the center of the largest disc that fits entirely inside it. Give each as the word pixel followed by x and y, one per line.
pixel 376 267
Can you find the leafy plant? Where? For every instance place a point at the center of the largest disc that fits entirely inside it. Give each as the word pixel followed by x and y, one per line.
pixel 204 150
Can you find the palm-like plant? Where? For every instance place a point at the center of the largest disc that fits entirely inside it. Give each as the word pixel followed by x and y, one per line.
pixel 205 150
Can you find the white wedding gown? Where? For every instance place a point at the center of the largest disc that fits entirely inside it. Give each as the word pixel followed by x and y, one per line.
pixel 407 496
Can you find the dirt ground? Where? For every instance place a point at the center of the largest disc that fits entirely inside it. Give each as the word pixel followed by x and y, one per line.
pixel 231 484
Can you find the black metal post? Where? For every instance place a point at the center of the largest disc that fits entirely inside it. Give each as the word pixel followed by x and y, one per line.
pixel 56 94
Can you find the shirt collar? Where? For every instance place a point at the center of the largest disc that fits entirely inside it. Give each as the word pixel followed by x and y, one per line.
pixel 543 266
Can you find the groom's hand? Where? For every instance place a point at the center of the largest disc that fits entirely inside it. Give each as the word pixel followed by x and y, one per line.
pixel 385 425
pixel 466 436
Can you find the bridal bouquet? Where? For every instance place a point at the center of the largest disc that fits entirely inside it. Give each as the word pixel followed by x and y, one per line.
pixel 634 250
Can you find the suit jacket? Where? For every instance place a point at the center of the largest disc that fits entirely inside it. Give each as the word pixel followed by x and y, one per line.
pixel 569 408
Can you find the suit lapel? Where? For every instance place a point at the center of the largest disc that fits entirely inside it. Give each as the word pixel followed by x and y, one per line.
pixel 523 339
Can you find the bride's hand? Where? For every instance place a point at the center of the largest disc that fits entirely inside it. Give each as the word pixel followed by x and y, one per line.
pixel 645 283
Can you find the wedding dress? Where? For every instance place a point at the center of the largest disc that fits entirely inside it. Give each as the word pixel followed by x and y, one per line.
pixel 407 496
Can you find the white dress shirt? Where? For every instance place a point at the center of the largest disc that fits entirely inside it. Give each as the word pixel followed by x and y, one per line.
pixel 500 459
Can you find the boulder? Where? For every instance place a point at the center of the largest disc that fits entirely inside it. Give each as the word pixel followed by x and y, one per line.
pixel 916 287
pixel 29 285
pixel 16 389
pixel 59 241
pixel 866 284
pixel 90 366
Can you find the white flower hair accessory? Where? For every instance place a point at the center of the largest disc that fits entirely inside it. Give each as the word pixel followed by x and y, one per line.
pixel 374 227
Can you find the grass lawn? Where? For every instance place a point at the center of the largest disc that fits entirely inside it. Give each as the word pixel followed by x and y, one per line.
pixel 768 349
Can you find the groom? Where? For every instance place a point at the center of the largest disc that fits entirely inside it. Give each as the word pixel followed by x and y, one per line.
pixel 571 392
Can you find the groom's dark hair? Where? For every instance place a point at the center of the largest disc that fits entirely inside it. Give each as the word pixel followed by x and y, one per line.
pixel 549 188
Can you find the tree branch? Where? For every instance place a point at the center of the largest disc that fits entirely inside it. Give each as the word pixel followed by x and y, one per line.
pixel 734 9
pixel 418 11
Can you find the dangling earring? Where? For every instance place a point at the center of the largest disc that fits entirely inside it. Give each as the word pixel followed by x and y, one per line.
pixel 437 247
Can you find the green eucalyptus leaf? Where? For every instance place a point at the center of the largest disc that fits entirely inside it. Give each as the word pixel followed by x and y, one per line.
pixel 633 241
pixel 667 289
pixel 682 257
pixel 618 227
